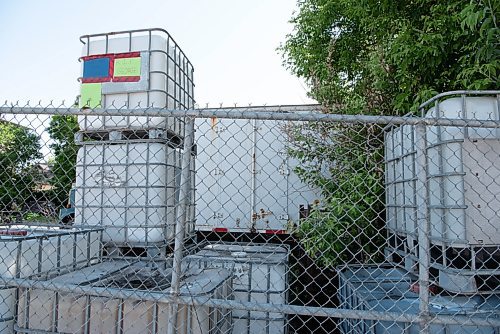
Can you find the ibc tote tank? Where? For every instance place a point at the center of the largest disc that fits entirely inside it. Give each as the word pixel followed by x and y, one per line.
pixel 260 276
pixel 50 311
pixel 130 189
pixel 463 175
pixel 463 183
pixel 384 288
pixel 37 250
pixel 463 168
pixel 138 68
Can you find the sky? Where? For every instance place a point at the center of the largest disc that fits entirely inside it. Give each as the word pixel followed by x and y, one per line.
pixel 231 44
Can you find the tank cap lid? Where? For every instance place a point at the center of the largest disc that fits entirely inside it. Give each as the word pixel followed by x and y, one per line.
pixel 239 254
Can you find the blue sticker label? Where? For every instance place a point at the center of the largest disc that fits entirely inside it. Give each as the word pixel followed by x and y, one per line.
pixel 96 68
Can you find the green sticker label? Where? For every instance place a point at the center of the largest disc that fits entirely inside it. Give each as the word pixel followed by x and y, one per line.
pixel 90 95
pixel 127 67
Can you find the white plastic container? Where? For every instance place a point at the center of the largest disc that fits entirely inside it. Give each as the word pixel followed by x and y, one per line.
pixel 168 74
pixel 464 203
pixel 27 251
pixel 400 179
pixel 128 188
pixel 7 307
pixel 43 249
pixel 245 177
pixel 260 275
pixel 463 173
pixel 44 310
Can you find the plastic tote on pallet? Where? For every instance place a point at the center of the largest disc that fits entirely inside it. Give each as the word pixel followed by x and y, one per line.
pixel 33 250
pixel 463 164
pixel 463 167
pixel 128 188
pixel 137 69
pixel 260 275
pixel 387 289
pixel 41 310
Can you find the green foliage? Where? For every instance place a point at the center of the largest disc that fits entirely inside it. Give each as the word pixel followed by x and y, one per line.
pixel 62 130
pixel 19 150
pixel 379 58
pixel 34 217
pixel 386 57
pixel 344 163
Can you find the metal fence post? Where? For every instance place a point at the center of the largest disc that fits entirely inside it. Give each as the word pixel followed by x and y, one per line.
pixel 180 224
pixel 423 225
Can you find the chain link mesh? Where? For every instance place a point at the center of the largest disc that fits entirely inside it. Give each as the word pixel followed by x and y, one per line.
pixel 251 220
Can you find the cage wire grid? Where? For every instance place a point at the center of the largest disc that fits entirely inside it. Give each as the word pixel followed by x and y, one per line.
pixel 259 219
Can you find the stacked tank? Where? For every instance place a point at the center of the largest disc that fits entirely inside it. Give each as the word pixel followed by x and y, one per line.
pixel 73 311
pixel 26 251
pixel 127 188
pixel 463 167
pixel 128 167
pixel 461 194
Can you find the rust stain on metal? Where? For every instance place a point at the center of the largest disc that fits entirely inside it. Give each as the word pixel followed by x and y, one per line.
pixel 213 126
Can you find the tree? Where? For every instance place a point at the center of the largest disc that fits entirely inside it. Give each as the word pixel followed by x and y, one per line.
pixel 19 150
pixel 379 58
pixel 62 130
pixel 387 57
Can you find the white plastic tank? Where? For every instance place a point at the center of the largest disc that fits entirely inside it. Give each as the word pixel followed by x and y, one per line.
pixel 130 189
pixel 463 172
pixel 29 250
pixel 260 275
pixel 61 312
pixel 7 307
pixel 464 169
pixel 140 68
pixel 400 179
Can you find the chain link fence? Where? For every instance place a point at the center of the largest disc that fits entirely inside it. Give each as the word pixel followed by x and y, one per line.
pixel 273 219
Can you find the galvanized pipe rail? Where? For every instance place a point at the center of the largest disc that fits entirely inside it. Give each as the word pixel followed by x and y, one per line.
pixel 284 113
pixel 166 297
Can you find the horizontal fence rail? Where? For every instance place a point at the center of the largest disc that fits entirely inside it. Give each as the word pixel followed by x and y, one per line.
pixel 247 306
pixel 278 113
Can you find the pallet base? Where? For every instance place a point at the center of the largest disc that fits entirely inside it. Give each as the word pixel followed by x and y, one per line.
pixel 468 269
pixel 458 281
pixel 117 135
pixel 117 251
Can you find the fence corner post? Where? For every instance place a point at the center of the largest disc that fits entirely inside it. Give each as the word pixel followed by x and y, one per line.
pixel 180 224
pixel 423 224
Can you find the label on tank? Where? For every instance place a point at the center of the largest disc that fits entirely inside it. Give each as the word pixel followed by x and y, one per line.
pixel 117 72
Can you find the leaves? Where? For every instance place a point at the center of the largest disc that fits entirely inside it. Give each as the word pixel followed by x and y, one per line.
pixel 380 58
pixel 386 52
pixel 343 162
pixel 62 130
pixel 19 151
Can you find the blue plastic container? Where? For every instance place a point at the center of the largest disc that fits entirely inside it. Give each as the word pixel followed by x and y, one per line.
pixel 387 289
